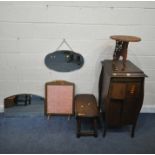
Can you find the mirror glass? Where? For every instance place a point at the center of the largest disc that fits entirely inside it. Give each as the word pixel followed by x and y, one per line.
pixel 64 61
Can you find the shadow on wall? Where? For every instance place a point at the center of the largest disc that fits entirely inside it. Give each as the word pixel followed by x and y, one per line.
pixel 105 53
pixel 21 99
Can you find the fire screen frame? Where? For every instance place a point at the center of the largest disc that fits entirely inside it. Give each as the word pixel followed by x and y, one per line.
pixel 59 97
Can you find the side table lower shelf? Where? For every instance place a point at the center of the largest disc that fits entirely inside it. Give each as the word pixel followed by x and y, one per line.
pixel 86 108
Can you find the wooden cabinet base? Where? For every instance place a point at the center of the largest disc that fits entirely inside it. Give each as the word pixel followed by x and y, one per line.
pixel 121 94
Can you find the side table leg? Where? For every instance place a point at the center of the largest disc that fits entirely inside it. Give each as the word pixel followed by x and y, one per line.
pixel 78 127
pixel 95 127
pixel 26 99
pixel 29 99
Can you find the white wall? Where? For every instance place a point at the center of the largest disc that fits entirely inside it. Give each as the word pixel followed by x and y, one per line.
pixel 31 30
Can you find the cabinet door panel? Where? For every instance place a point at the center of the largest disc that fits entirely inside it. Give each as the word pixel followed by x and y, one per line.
pixel 129 113
pixel 118 91
pixel 133 89
pixel 114 112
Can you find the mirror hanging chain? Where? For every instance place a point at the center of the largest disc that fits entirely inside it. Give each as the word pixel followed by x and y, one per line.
pixel 64 42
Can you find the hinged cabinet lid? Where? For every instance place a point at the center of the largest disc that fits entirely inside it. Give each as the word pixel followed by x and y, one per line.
pixel 131 70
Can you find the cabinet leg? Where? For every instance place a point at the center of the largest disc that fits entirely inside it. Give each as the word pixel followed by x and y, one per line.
pixel 95 127
pixel 133 130
pixel 99 123
pixel 105 129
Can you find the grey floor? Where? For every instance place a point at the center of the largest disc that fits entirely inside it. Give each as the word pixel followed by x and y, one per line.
pixel 36 134
pixel 25 129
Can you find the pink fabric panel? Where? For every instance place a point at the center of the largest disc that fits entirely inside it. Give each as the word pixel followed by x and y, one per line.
pixel 59 99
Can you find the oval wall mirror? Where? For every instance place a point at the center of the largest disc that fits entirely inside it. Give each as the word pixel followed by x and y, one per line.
pixel 64 61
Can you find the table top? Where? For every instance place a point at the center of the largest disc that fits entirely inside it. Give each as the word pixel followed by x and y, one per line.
pixel 86 106
pixel 125 38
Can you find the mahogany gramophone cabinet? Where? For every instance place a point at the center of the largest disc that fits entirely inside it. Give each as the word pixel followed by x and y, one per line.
pixel 121 88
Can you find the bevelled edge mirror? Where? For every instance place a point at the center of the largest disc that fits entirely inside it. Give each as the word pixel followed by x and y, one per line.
pixel 64 60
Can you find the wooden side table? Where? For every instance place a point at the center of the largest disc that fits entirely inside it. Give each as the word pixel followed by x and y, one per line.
pixel 121 48
pixel 86 107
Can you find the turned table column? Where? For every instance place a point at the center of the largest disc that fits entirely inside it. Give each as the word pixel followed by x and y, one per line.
pixel 121 48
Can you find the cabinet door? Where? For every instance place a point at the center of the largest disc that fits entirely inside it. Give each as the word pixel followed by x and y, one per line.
pixel 124 102
pixel 133 89
pixel 116 97
pixel 118 91
pixel 113 113
pixel 131 103
pixel 129 113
